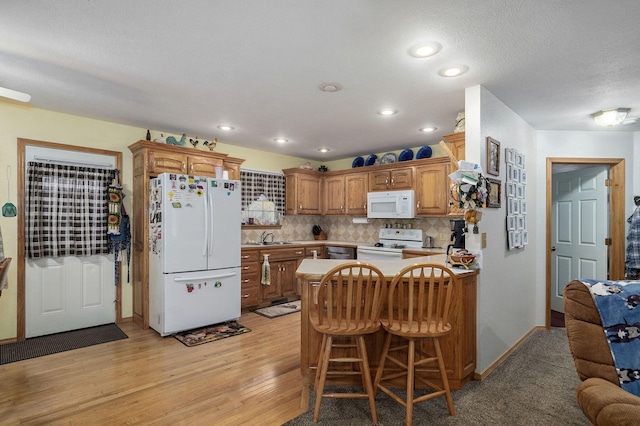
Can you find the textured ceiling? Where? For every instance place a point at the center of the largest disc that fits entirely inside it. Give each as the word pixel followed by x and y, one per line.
pixel 186 67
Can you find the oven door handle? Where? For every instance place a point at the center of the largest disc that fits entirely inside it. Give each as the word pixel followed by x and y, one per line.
pixel 381 253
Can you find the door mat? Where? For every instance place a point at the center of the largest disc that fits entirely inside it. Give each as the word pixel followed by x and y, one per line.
pixel 279 310
pixel 211 333
pixel 34 347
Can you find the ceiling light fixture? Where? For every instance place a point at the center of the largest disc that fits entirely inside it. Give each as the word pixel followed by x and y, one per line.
pixel 424 50
pixel 281 140
pixel 388 112
pixel 324 150
pixel 330 87
pixel 610 117
pixel 453 71
pixel 15 95
pixel 225 128
pixel 428 129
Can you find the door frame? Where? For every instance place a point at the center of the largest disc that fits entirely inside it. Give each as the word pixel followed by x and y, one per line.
pixel 22 144
pixel 616 218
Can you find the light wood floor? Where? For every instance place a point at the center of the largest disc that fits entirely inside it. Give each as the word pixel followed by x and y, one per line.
pixel 146 379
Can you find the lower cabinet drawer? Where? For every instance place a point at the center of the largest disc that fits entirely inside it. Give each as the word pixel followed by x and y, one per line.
pixel 249 289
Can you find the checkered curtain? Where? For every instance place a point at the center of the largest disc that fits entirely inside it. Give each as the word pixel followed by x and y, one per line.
pixel 255 183
pixel 66 210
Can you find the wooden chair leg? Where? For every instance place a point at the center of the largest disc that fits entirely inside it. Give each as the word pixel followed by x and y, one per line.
pixel 383 359
pixel 410 379
pixel 443 374
pixel 366 377
pixel 326 354
pixel 319 363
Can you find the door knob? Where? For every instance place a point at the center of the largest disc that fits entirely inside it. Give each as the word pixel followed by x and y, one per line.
pixel 553 248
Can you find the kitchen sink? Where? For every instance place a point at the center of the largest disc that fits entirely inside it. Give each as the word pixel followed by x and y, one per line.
pixel 270 243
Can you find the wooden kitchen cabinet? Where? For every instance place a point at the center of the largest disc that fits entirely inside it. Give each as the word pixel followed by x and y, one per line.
pixel 391 179
pixel 356 189
pixel 302 192
pixel 334 195
pixel 283 262
pixel 164 158
pixel 149 160
pixel 456 142
pixel 250 278
pixel 308 251
pixel 432 188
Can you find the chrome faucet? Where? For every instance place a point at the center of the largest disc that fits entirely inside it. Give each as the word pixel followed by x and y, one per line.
pixel 263 237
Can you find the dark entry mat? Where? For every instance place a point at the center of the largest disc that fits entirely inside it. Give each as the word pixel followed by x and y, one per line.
pixel 60 342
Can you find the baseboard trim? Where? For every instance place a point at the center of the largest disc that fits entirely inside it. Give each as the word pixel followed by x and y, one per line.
pixel 496 363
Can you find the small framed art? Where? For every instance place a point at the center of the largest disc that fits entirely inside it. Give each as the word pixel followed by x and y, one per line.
pixel 493 156
pixel 495 193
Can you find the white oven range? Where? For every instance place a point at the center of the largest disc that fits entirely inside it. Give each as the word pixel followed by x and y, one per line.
pixel 391 242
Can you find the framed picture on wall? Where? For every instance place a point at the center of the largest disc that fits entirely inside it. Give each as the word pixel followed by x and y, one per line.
pixel 493 156
pixel 495 193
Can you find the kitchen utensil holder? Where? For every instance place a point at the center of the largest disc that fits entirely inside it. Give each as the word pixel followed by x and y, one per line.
pixel 320 236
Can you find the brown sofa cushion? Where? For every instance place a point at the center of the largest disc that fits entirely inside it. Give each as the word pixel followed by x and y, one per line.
pixel 587 341
pixel 606 404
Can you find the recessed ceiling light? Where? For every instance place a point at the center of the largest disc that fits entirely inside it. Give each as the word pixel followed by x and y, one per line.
pixel 15 95
pixel 225 128
pixel 281 140
pixel 324 149
pixel 388 112
pixel 424 50
pixel 428 129
pixel 453 71
pixel 330 87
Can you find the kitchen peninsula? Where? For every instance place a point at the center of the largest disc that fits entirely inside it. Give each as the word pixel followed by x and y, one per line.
pixel 458 348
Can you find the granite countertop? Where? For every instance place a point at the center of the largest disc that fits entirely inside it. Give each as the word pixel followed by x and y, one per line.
pixel 316 268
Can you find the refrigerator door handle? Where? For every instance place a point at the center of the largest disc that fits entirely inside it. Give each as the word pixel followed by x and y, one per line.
pixel 206 227
pixel 210 218
pixel 205 277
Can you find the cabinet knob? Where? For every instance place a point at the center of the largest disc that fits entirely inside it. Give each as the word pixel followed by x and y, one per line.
pixel 245 296
pixel 300 206
pixel 245 256
pixel 184 166
pixel 245 281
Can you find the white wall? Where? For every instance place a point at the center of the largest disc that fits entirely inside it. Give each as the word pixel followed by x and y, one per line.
pixel 506 306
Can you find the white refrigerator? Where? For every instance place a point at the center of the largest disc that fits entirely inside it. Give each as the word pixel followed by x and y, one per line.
pixel 194 252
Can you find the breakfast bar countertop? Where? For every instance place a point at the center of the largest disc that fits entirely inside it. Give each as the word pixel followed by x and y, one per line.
pixel 316 268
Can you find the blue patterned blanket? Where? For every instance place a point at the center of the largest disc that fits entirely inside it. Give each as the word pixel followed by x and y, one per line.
pixel 619 305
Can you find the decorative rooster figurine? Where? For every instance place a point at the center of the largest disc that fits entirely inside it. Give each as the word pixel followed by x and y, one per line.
pixel 194 143
pixel 211 144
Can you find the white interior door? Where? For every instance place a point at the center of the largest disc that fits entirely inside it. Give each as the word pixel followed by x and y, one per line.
pixel 68 293
pixel 580 220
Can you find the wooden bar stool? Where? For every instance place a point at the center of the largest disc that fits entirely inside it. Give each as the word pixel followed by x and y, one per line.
pixel 349 301
pixel 419 303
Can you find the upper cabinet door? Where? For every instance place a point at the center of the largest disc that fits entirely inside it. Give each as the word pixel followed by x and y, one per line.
pixel 432 190
pixel 357 186
pixel 334 195
pixel 162 161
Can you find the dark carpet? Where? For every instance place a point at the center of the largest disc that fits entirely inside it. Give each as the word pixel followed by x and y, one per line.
pixel 535 385
pixel 60 342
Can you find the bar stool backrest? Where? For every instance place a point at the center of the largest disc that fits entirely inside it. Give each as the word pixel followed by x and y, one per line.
pixel 349 299
pixel 419 300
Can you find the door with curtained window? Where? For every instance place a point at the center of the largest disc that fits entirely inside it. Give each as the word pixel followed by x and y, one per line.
pixel 69 274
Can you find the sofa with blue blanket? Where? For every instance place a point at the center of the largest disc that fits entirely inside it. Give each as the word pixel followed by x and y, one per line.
pixel 600 395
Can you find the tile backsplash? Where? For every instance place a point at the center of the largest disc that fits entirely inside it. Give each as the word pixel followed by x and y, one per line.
pixel 342 228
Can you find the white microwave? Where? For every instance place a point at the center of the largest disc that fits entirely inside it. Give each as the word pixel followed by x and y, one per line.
pixel 391 205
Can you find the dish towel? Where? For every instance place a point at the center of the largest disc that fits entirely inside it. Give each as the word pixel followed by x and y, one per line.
pixel 266 271
pixel 619 305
